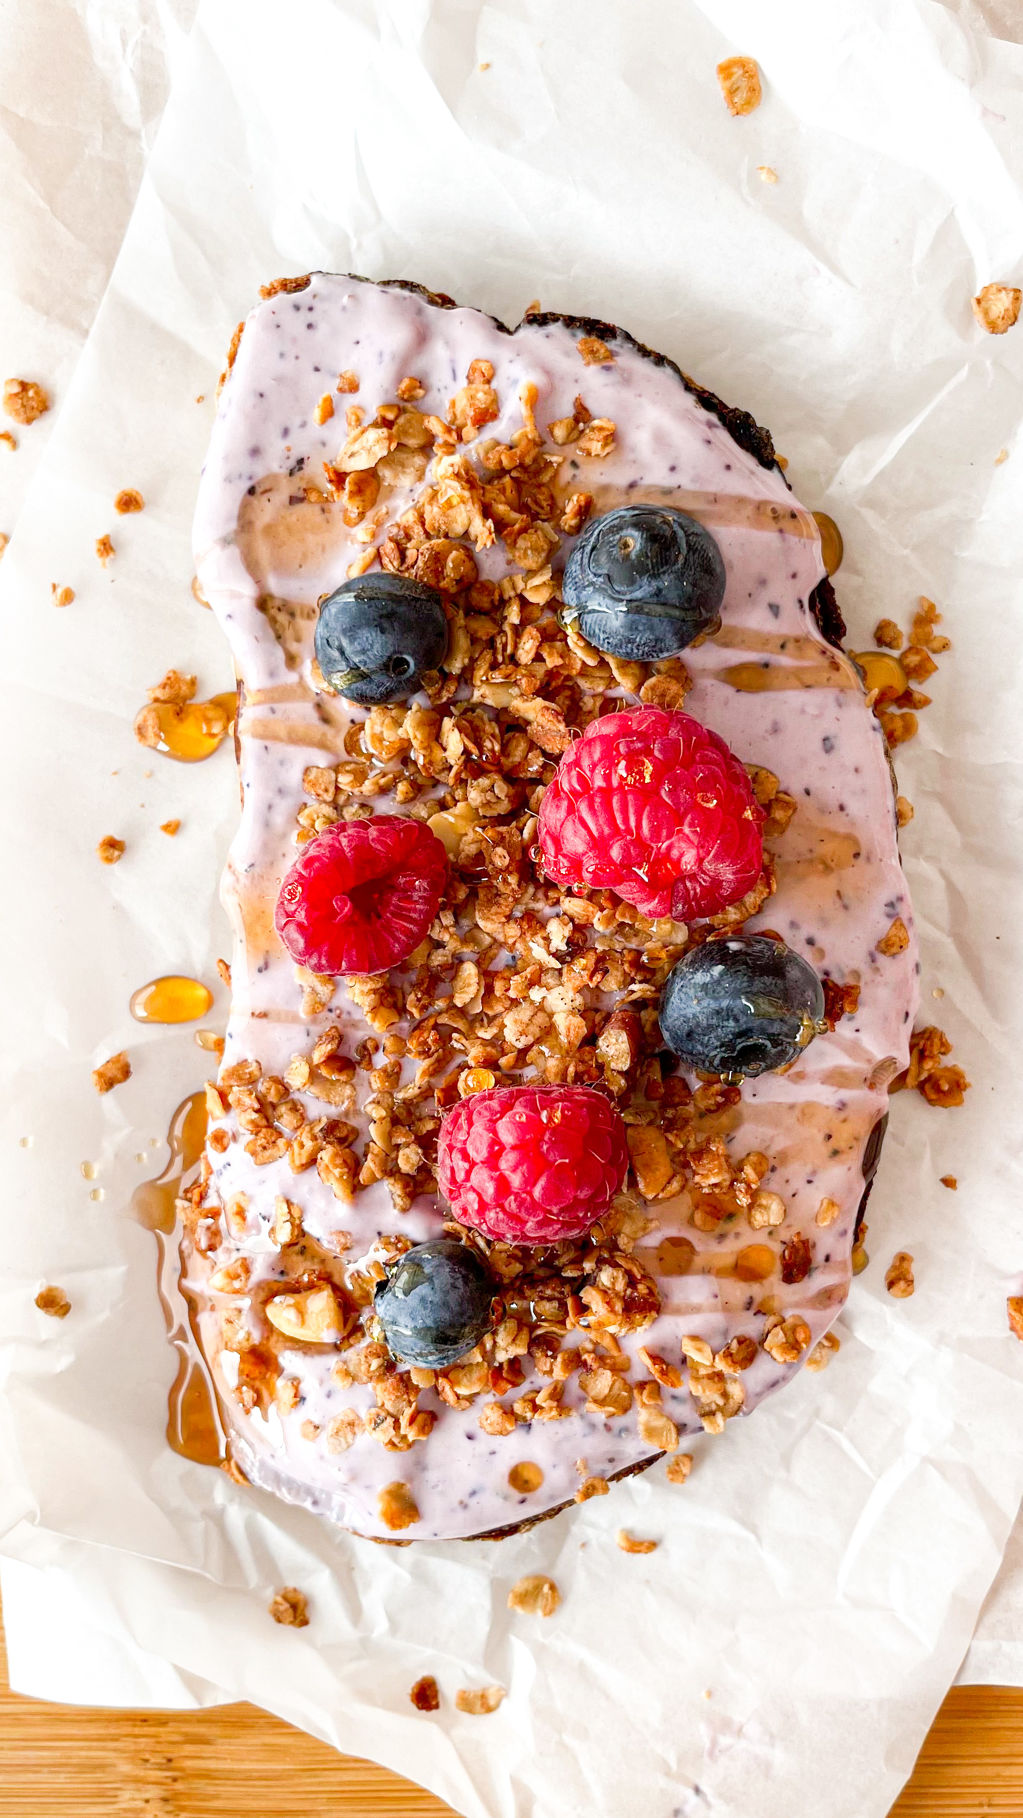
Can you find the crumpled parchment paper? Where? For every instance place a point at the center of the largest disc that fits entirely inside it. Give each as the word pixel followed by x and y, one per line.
pixel 819 1577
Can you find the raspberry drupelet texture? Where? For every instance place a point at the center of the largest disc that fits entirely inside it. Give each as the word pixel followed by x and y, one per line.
pixel 532 1164
pixel 653 805
pixel 362 896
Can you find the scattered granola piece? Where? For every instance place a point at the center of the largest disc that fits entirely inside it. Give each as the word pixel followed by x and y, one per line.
pixel 827 1212
pixel 62 596
pixel 348 381
pixel 112 1072
pixel 823 1351
pixel 766 174
pixel 104 549
pixel 594 351
pixel 887 635
pixel 630 1544
pixel 110 849
pixel 535 1595
pixel 946 1086
pixel 904 810
pixel 949 1181
pixel 480 1703
pixel 1014 1308
pixel 170 828
pixel 896 940
pixel 425 1694
pixel 129 500
pixel 739 78
pixel 290 1608
pixel 787 1339
pixel 996 307
pixel 53 1301
pixel 25 401
pixel 8 440
pixel 4 540
pixel 591 1486
pixel 899 1275
pixel 679 1467
pixel 398 1508
pixel 175 688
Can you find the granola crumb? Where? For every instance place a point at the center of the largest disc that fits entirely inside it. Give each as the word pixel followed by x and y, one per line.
pixel 398 1508
pixel 896 940
pixel 949 1181
pixel 8 440
pixel 899 1275
pixel 425 1694
pixel 24 401
pixel 1014 1309
pixel 479 1703
pixel 823 1351
pixel 62 596
pixel 112 1072
pixel 679 1467
pixel 904 810
pixel 104 549
pixel 170 828
pixel 53 1301
pixel 739 78
pixel 888 635
pixel 594 351
pixel 110 849
pixel 535 1595
pixel 766 174
pixel 325 408
pixel 4 540
pixel 996 307
pixel 826 1212
pixel 175 688
pixel 347 382
pixel 629 1543
pixel 290 1608
pixel 592 1486
pixel 127 500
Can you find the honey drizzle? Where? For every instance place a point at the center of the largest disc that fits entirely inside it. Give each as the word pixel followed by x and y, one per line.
pixel 832 547
pixel 195 730
pixel 195 1428
pixel 172 999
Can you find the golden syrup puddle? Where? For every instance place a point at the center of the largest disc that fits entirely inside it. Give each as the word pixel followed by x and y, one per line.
pixel 832 547
pixel 883 674
pixel 197 729
pixel 173 999
pixel 194 1426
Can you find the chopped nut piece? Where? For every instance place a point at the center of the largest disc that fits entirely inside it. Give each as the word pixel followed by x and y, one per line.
pixel 739 78
pixel 170 828
pixel 767 1209
pixel 896 940
pixel 24 400
pixel 996 307
pixel 112 1072
pixel 110 849
pixel 425 1694
pixel 290 1608
pixel 946 1086
pixel 411 390
pixel 827 1212
pixel 325 408
pixel 655 1429
pixel 313 1316
pixel 651 1161
pixel 949 1181
pixel 591 1486
pixel 398 1508
pixel 594 352
pixel 175 688
pixel 887 635
pixel 899 1275
pixel 630 1544
pixel 823 1351
pixel 347 382
pixel 535 1595
pixel 481 1703
pixel 679 1467
pixel 787 1340
pixel 129 500
pixel 53 1301
pixel 104 549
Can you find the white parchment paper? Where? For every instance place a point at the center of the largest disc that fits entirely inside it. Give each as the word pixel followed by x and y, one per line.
pixel 818 1578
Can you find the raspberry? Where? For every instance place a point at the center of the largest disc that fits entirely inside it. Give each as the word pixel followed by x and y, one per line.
pixel 653 805
pixel 531 1164
pixel 362 896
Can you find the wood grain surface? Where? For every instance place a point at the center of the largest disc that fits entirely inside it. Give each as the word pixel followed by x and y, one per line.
pixel 57 1761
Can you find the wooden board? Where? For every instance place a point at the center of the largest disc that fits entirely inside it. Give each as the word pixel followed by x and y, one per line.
pixel 60 1762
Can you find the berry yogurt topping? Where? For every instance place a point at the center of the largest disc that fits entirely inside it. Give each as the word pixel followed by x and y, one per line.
pixel 377 635
pixel 435 1304
pixel 643 581
pixel 532 1164
pixel 654 806
pixel 362 895
pixel 741 1006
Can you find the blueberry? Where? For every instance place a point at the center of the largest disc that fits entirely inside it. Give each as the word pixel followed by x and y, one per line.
pixel 643 581
pixel 377 635
pixel 741 1006
pixel 435 1304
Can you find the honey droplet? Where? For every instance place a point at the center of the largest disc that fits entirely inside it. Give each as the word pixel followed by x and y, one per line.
pixel 755 1262
pixel 97 1193
pixel 170 1000
pixel 883 674
pixel 525 1478
pixel 89 1170
pixel 197 729
pixel 675 1256
pixel 832 547
pixel 25 1142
